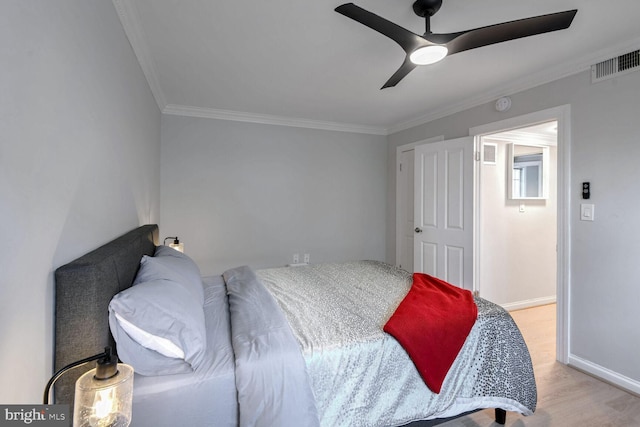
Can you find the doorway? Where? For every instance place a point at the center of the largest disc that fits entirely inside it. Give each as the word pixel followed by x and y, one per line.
pixel 561 115
pixel 516 216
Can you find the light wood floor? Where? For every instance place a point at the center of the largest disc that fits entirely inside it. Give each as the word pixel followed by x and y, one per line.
pixel 566 397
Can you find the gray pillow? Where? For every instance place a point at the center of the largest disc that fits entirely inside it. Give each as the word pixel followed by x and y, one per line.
pixel 167 263
pixel 159 328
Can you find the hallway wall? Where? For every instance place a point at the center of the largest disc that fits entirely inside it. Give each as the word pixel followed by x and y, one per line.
pixel 517 252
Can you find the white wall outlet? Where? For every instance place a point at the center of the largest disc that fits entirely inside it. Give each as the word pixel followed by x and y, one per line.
pixel 307 258
pixel 296 258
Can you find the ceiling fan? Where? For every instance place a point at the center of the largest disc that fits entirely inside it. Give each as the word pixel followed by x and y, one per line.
pixel 430 48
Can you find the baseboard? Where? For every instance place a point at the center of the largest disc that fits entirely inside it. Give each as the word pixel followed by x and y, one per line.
pixel 604 374
pixel 519 305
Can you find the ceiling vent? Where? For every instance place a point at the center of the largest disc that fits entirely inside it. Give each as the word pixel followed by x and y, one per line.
pixel 617 66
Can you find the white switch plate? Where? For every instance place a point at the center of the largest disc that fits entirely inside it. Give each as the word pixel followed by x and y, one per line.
pixel 587 212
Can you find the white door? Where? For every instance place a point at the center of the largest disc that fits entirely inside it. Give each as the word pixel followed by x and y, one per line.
pixel 443 211
pixel 404 202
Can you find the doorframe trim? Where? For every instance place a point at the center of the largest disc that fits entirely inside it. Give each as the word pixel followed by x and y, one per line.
pixel 400 149
pixel 563 280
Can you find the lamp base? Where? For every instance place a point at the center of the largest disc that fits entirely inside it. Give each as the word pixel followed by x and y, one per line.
pixel 118 420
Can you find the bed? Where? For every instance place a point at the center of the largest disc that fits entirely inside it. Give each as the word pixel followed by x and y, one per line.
pixel 281 346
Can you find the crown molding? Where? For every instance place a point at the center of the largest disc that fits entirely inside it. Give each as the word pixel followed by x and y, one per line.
pixel 130 21
pixel 210 113
pixel 537 79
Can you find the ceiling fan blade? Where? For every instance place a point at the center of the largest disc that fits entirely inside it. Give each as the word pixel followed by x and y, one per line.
pixel 492 34
pixel 406 39
pixel 406 67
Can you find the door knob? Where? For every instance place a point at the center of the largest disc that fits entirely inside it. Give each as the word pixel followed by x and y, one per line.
pixel 418 230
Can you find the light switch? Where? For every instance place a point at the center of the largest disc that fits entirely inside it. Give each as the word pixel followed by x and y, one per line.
pixel 586 212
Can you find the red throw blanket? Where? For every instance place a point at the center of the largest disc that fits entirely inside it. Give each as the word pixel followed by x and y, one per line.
pixel 432 323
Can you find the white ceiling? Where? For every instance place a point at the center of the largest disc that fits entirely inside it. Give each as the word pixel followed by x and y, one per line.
pixel 301 63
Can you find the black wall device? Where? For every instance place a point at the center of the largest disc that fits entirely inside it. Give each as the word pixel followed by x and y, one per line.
pixel 586 190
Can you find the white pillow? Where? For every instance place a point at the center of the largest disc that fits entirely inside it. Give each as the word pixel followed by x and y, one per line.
pixel 163 330
pixel 150 341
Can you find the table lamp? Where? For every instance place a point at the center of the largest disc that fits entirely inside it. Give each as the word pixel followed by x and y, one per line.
pixel 176 244
pixel 103 395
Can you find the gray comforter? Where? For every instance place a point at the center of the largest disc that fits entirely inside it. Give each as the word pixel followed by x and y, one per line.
pixel 271 378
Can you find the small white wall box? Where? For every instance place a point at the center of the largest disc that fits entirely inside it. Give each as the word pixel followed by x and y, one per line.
pixel 587 212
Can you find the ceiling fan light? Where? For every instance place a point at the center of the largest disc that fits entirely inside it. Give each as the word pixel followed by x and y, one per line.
pixel 428 54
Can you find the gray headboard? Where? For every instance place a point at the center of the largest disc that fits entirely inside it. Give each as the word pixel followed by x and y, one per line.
pixel 84 288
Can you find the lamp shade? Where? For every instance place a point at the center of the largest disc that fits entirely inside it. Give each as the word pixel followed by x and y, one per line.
pixel 104 402
pixel 177 246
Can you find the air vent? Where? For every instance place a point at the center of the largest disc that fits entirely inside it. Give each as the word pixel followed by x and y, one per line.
pixel 617 66
pixel 490 153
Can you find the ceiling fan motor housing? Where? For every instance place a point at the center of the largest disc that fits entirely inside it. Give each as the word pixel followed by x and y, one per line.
pixel 426 8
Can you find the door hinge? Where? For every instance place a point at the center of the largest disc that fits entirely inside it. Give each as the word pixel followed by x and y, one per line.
pixel 400 167
pixel 477 156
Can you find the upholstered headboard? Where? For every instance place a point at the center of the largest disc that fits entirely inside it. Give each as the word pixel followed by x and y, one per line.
pixel 84 288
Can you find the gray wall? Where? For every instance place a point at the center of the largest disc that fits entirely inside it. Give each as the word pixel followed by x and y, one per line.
pixel 244 193
pixel 604 271
pixel 79 164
